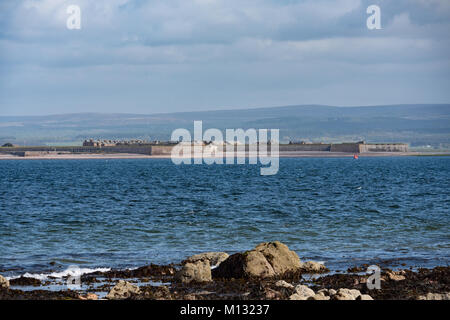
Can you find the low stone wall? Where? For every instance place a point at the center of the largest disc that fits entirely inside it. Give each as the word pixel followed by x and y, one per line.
pixel 165 150
pixel 306 147
pixel 345 147
pixel 147 150
pixel 28 151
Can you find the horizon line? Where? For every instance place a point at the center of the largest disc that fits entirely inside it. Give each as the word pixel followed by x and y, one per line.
pixel 228 109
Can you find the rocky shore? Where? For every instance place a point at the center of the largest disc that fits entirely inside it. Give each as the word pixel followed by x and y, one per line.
pixel 270 271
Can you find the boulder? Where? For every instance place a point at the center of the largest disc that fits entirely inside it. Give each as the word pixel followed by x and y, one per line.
pixel 279 256
pixel 302 292
pixel 346 294
pixel 214 258
pixel 354 292
pixel 123 290
pixel 395 276
pixel 313 267
pixel 267 260
pixel 250 264
pixel 435 296
pixel 199 271
pixel 4 283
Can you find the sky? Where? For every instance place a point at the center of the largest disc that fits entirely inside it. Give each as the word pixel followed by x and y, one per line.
pixel 137 56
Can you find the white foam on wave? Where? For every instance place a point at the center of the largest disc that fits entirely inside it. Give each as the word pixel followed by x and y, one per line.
pixel 71 271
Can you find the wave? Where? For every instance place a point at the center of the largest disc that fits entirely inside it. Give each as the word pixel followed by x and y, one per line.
pixel 73 271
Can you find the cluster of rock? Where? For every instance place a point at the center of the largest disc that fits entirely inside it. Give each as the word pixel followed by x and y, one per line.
pixel 395 275
pixel 197 271
pixel 198 267
pixel 302 292
pixel 435 296
pixel 266 260
pixel 214 258
pixel 266 263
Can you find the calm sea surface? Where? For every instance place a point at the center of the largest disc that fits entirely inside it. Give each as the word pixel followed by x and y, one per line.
pixel 128 213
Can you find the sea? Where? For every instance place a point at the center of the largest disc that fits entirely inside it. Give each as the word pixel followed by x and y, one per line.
pixel 99 214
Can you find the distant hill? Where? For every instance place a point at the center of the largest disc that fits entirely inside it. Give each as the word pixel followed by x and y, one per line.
pixel 418 125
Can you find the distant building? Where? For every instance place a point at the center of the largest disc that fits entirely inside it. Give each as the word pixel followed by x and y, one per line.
pixel 111 143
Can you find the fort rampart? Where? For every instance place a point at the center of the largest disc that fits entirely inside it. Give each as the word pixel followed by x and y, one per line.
pixel 161 149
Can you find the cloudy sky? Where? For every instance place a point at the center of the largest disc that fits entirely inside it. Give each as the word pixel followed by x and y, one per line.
pixel 154 56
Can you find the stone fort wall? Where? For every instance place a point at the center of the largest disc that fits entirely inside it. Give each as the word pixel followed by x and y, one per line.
pixel 167 149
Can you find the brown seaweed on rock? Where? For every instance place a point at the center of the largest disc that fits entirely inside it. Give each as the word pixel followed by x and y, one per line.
pixel 152 271
pixel 415 284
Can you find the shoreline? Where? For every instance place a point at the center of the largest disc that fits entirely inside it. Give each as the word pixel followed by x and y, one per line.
pixel 157 282
pixel 219 276
pixel 285 154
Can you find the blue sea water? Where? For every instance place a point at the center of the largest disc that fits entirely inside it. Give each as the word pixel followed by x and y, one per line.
pixel 128 213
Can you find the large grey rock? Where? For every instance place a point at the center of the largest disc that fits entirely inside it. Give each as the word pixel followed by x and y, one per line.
pixel 302 292
pixel 4 283
pixel 435 296
pixel 214 258
pixel 199 271
pixel 279 256
pixel 123 290
pixel 266 260
pixel 249 264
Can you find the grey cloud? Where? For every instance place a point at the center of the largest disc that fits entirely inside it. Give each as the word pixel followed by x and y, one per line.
pixel 222 52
